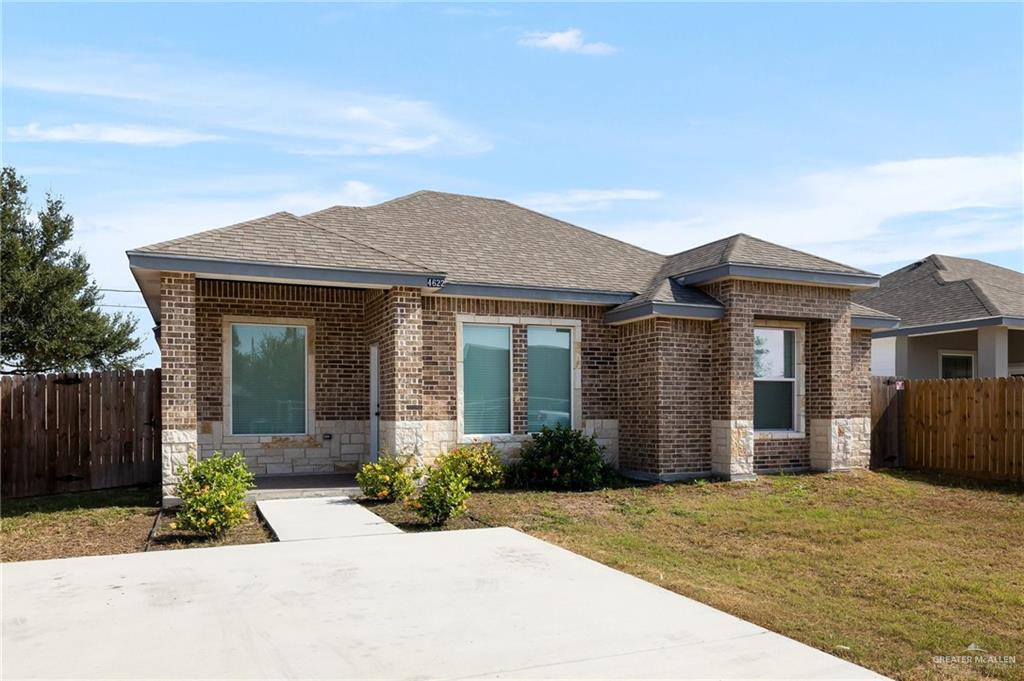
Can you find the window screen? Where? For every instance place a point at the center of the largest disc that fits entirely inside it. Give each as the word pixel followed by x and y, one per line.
pixel 485 379
pixel 549 377
pixel 774 379
pixel 268 379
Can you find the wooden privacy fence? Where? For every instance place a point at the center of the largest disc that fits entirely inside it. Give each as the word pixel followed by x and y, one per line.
pixel 971 427
pixel 78 431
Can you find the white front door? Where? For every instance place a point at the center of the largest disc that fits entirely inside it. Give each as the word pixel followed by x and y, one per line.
pixel 374 402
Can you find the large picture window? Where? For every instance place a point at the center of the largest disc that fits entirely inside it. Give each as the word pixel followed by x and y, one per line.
pixel 549 377
pixel 486 380
pixel 956 364
pixel 268 379
pixel 774 379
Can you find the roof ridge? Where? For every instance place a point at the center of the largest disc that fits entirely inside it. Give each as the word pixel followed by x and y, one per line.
pixel 982 297
pixel 356 241
pixel 693 248
pixel 734 241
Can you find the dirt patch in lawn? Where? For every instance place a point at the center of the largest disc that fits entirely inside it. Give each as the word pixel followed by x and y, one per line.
pixel 78 524
pixel 102 522
pixel 888 570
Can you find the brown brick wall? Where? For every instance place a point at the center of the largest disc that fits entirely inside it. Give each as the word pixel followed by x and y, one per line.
pixel 860 373
pixel 599 354
pixel 178 335
pixel 339 342
pixel 826 357
pixel 665 393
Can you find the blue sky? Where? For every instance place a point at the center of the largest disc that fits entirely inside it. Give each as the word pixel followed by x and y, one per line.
pixel 872 134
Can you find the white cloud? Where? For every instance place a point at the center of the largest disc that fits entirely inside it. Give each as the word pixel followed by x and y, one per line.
pixel 569 40
pixel 98 133
pixel 867 215
pixel 283 113
pixel 575 200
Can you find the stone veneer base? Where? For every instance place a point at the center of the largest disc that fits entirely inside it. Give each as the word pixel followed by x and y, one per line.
pixel 345 450
pixel 840 443
pixel 430 439
pixel 732 449
pixel 175 448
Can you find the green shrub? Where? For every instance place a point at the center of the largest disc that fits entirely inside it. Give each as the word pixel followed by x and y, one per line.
pixel 443 495
pixel 477 462
pixel 212 493
pixel 389 479
pixel 560 458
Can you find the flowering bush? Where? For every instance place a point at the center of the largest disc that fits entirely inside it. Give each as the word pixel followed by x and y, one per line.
pixel 389 479
pixel 443 496
pixel 212 493
pixel 479 463
pixel 560 458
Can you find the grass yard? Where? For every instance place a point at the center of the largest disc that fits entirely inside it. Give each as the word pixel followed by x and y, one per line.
pixel 884 569
pixel 101 522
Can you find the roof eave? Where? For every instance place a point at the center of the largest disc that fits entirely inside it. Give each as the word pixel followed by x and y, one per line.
pixel 554 295
pixel 1010 321
pixel 656 309
pixel 338 276
pixel 872 323
pixel 850 280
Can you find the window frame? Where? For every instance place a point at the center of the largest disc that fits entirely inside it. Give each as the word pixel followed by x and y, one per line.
pixel 228 374
pixel 462 380
pixel 572 344
pixel 793 381
pixel 959 353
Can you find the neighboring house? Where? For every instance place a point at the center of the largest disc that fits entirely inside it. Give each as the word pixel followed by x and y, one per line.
pixel 312 343
pixel 958 318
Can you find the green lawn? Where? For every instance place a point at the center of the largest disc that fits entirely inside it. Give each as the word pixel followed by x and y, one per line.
pixel 99 523
pixel 884 569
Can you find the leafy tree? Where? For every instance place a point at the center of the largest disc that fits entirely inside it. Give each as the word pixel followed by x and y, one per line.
pixel 50 318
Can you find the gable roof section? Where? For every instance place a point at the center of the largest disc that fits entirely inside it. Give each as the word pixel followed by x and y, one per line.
pixel 742 255
pixel 942 289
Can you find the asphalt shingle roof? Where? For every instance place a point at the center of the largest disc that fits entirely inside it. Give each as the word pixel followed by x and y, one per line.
pixel 943 288
pixel 480 241
pixel 283 238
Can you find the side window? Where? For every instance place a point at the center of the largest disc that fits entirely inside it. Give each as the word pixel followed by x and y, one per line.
pixel 774 379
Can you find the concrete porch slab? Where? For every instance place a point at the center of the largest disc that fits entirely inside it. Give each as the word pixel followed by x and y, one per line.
pixel 321 518
pixel 300 486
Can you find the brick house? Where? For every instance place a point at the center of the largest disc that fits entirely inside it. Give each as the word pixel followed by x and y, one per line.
pixel 312 343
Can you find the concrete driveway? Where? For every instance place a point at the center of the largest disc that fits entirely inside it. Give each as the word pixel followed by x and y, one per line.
pixel 471 603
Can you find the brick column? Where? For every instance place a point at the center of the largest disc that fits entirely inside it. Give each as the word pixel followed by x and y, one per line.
pixel 732 381
pixel 401 425
pixel 177 375
pixel 837 433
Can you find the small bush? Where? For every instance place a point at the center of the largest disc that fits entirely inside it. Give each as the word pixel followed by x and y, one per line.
pixel 479 463
pixel 560 458
pixel 443 495
pixel 212 493
pixel 389 479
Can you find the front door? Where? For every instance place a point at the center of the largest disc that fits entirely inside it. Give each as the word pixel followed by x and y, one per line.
pixel 374 402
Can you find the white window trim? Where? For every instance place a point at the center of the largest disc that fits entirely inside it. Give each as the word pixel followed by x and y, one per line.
pixel 575 325
pixel 230 437
pixel 461 382
pixel 960 353
pixel 798 380
pixel 572 373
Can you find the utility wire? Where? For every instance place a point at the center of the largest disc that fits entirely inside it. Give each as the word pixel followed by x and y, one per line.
pixel 137 307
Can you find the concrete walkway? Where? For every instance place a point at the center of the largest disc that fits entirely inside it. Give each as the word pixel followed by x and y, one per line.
pixel 321 518
pixel 463 604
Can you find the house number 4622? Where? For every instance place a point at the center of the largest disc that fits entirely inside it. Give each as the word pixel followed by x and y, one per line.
pixel 435 282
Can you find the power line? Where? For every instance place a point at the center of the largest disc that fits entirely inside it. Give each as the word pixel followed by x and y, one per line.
pixel 136 307
pixel 121 290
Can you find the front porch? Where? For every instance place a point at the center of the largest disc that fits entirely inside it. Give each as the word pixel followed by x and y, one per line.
pixel 303 486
